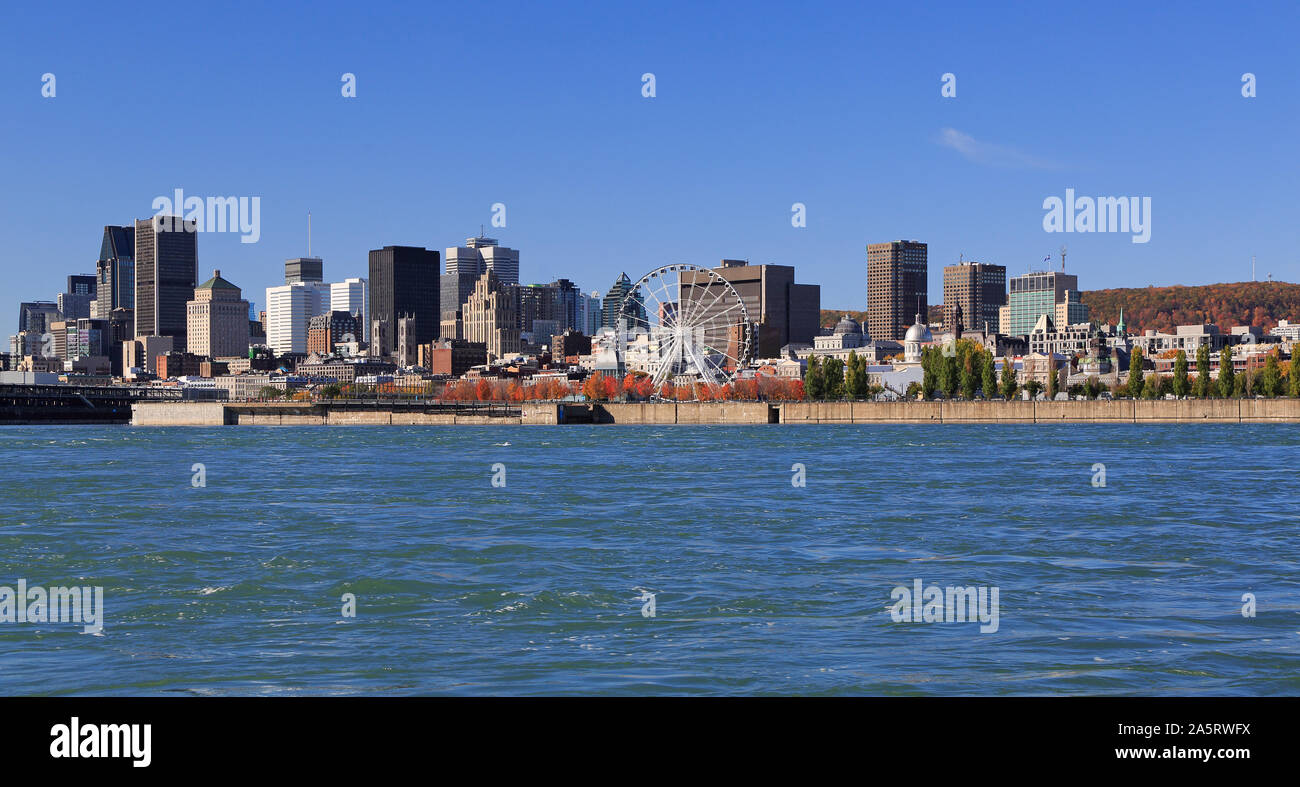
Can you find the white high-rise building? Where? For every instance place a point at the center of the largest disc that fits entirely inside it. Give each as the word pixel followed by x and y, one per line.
pixel 480 255
pixel 349 296
pixel 289 308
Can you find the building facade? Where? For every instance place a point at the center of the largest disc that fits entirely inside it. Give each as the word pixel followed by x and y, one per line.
pixel 896 286
pixel 217 319
pixel 166 266
pixel 404 283
pixel 490 317
pixel 979 289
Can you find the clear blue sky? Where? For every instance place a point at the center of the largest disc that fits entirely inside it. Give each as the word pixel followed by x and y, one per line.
pixel 758 106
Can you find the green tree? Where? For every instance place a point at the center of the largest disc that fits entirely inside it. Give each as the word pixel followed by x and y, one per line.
pixel 929 372
pixel 968 369
pixel 951 379
pixel 988 378
pixel 1294 375
pixel 1135 381
pixel 1180 386
pixel 1033 387
pixel 1008 385
pixel 1151 388
pixel 1202 371
pixel 855 377
pixel 814 383
pixel 1270 380
pixel 833 372
pixel 1226 381
pixel 914 389
pixel 1092 387
pixel 269 392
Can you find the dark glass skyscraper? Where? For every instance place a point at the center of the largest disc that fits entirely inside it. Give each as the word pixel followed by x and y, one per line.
pixel 115 272
pixel 404 283
pixel 166 261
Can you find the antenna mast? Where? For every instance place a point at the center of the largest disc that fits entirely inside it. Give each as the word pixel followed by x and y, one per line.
pixel 1062 259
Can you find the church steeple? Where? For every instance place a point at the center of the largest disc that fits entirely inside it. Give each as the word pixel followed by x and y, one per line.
pixel 1121 327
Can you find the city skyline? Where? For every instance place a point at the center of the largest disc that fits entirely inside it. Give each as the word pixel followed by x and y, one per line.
pixel 707 169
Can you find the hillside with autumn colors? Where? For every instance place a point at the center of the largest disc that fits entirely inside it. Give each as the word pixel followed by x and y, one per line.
pixel 1259 303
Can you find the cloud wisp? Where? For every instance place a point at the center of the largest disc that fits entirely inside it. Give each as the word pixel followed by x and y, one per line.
pixel 990 154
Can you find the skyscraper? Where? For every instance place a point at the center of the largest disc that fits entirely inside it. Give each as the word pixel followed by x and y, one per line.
pixel 979 288
pixel 454 289
pixel 289 309
pixel 782 311
pixel 1042 292
pixel 896 287
pixel 115 272
pixel 612 306
pixel 166 261
pixel 404 283
pixel 481 254
pixel 490 316
pixel 218 319
pixel 304 269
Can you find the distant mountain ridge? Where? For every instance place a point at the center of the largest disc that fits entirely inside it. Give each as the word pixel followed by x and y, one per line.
pixel 1258 303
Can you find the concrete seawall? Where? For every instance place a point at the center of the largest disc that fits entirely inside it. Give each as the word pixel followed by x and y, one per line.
pixel 722 413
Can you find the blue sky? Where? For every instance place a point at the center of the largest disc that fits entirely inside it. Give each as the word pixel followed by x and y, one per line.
pixel 758 106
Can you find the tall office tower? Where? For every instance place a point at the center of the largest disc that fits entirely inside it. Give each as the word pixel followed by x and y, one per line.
pixel 781 311
pixel 589 321
pixel 453 291
pixel 289 309
pixel 166 262
pixel 120 324
pixel 218 319
pixel 612 306
pixel 555 304
pixel 304 269
pixel 404 283
pixel 36 316
pixel 979 288
pixel 896 287
pixel 115 272
pixel 350 295
pixel 481 254
pixel 1040 292
pixel 490 316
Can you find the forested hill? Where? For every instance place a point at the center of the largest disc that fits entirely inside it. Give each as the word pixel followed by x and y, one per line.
pixel 1260 303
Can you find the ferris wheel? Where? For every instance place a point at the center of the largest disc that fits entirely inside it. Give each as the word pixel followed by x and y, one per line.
pixel 685 324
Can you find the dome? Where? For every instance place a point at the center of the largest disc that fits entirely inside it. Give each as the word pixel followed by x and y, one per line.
pixel 847 325
pixel 919 332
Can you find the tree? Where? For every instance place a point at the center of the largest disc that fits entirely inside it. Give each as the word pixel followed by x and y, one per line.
pixel 1202 371
pixel 833 372
pixel 929 372
pixel 331 391
pixel 814 382
pixel 1270 380
pixel 1135 373
pixel 1151 388
pixel 594 387
pixel 1226 381
pixel 855 377
pixel 1008 387
pixel 968 370
pixel 913 390
pixel 269 392
pixel 1294 374
pixel 1033 387
pixel 1092 387
pixel 1052 385
pixel 1180 385
pixel 988 378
